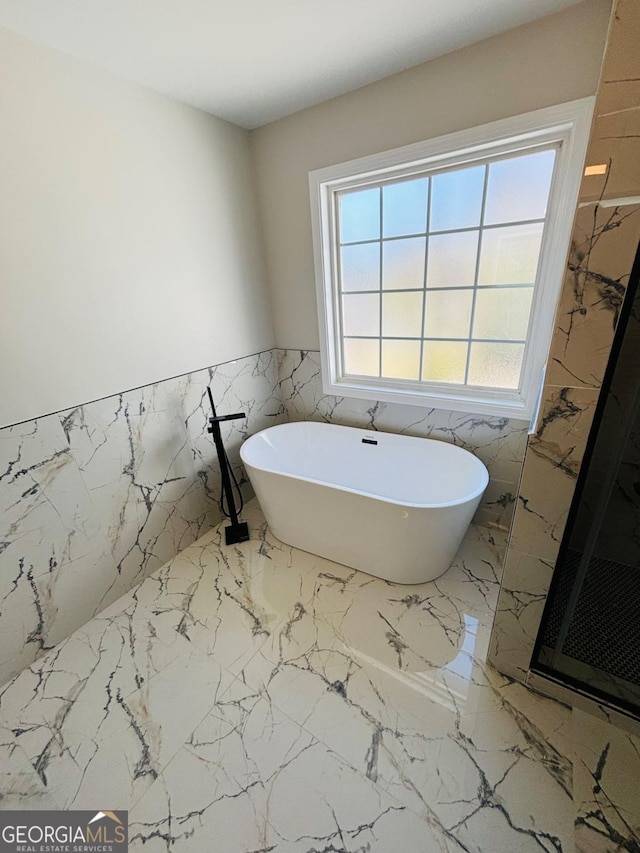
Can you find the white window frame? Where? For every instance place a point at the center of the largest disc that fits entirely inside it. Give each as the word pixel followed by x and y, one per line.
pixel 566 126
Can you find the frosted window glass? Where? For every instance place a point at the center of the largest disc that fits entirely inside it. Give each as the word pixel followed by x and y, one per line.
pixel 402 314
pixel 510 255
pixel 518 188
pixel 448 314
pixel 361 357
pixel 403 263
pixel 360 215
pixel 456 199
pixel 360 266
pixel 452 259
pixel 495 365
pixel 502 313
pixel 401 359
pixel 444 361
pixel 404 208
pixel 361 314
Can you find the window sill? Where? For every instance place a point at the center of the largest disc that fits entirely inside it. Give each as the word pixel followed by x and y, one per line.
pixel 470 401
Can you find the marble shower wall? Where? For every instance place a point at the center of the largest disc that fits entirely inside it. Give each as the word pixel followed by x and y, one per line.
pixel 94 499
pixel 499 442
pixel 604 244
pixel 616 452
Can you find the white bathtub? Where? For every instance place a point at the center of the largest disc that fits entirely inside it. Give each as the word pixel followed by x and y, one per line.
pixel 391 505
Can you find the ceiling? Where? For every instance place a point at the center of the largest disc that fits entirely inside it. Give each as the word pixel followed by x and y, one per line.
pixel 254 61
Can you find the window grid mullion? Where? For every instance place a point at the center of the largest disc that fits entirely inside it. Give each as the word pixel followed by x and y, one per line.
pixel 431 338
pixel 340 291
pixel 380 306
pixel 424 288
pixel 477 272
pixel 492 227
pixel 465 287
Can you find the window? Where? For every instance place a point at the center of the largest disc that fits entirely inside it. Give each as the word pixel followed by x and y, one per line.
pixel 439 265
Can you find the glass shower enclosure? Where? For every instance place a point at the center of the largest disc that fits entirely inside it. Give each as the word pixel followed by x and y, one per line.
pixel 589 638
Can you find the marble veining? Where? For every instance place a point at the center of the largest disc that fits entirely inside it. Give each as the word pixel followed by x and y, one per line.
pixel 95 498
pixel 261 698
pixel 607 800
pixel 598 271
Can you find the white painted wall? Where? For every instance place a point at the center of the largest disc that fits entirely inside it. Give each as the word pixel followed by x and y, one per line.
pixel 546 62
pixel 130 249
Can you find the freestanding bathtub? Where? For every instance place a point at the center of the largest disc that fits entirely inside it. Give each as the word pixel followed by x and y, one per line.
pixel 391 505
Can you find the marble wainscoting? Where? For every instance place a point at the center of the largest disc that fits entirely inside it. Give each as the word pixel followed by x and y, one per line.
pixel 94 499
pixel 498 442
pixel 604 243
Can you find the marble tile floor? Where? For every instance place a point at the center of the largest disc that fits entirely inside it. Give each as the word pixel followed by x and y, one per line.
pixel 258 698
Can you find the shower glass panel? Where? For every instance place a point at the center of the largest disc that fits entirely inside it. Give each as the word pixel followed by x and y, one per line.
pixel 590 632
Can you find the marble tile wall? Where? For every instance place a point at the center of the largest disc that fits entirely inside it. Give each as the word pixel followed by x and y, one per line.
pixel 94 499
pixel 499 442
pixel 604 244
pixel 617 453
